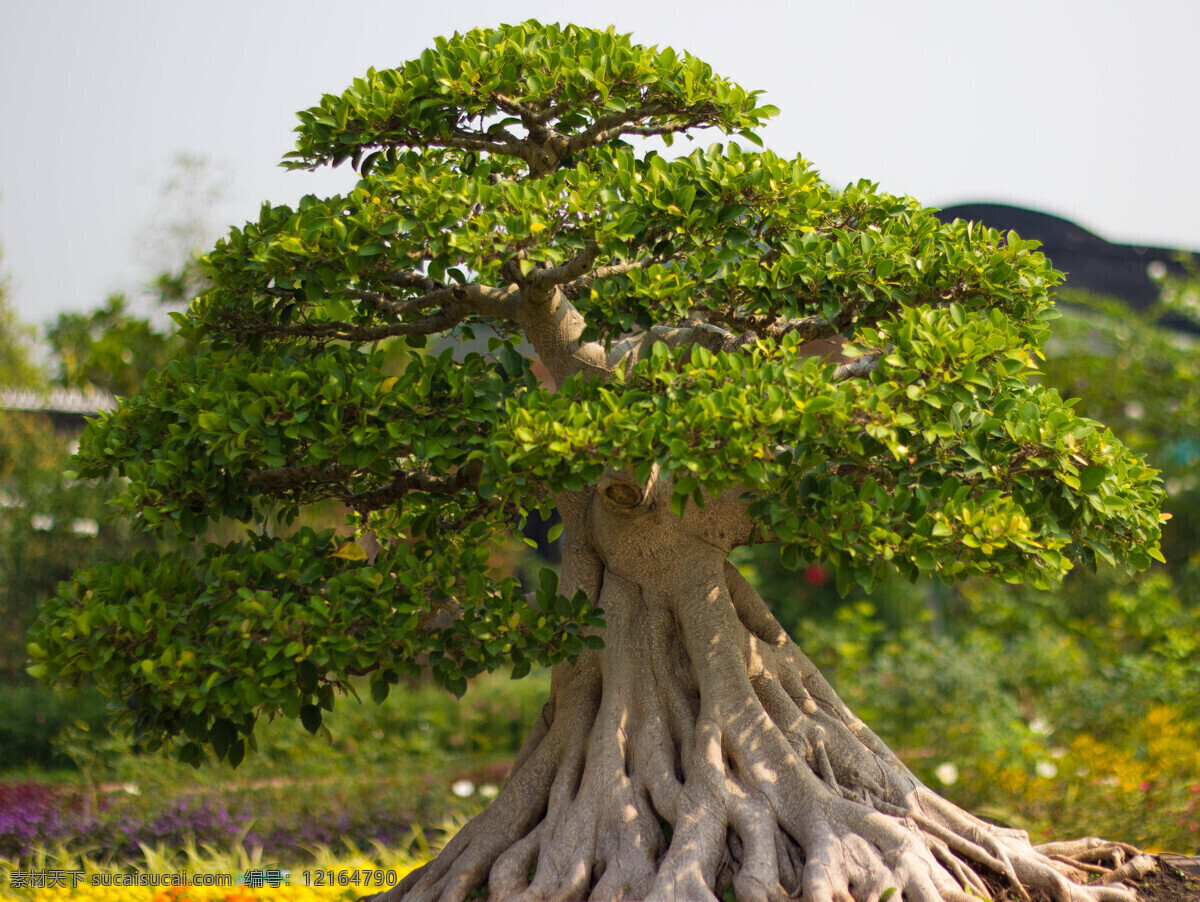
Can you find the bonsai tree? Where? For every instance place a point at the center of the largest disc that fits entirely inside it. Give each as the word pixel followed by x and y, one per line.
pixel 688 746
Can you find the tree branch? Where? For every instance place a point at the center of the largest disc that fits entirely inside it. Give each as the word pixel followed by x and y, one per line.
pixel 527 113
pixel 280 479
pixel 404 481
pixel 809 328
pixel 542 280
pixel 460 138
pixel 577 287
pixel 277 479
pixel 413 279
pixel 859 366
pixel 457 303
pixel 607 127
pixel 466 139
pixel 630 350
pixel 439 321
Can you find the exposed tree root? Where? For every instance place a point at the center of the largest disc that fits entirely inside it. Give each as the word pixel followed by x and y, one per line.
pixel 701 750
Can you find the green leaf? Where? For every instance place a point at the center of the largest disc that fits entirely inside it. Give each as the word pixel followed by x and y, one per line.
pixel 274 561
pixel 237 752
pixel 730 212
pixel 310 716
pixel 379 691
pixel 512 362
pixel 307 674
pixel 222 736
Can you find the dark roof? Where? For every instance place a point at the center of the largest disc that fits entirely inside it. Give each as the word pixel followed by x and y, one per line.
pixel 1091 263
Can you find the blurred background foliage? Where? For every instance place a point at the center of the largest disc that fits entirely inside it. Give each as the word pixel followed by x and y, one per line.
pixel 1069 712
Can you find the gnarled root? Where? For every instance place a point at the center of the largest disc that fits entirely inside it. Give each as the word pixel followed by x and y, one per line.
pixel 701 750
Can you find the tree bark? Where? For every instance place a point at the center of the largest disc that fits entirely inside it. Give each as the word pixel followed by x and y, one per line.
pixel 700 750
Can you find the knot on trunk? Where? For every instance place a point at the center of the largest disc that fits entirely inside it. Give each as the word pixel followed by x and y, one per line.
pixel 621 492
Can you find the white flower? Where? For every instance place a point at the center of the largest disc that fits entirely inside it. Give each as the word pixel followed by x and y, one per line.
pixel 463 788
pixel 1040 726
pixel 85 526
pixel 947 773
pixel 42 522
pixel 489 790
pixel 1047 770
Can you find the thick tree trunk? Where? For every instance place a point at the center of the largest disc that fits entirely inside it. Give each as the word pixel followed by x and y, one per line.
pixel 701 750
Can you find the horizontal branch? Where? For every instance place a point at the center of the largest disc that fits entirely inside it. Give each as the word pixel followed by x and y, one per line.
pixel 813 328
pixel 458 138
pixel 456 304
pixel 432 298
pixel 413 279
pixel 545 146
pixel 279 479
pixel 607 127
pixel 403 481
pixel 440 321
pixel 465 139
pixel 714 338
pixel 528 113
pixel 856 368
pixel 809 328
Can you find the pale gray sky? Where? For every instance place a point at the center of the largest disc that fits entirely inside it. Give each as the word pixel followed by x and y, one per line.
pixel 1083 109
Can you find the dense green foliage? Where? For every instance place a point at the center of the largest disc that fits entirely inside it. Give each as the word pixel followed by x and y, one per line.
pixel 496 176
pixel 17 366
pixel 107 349
pixel 50 524
pixel 33 717
pixel 1068 713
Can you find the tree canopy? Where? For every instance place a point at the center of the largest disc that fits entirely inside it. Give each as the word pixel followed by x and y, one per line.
pixel 506 190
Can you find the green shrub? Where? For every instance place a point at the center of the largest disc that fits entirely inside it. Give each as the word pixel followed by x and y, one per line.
pixel 32 717
pixel 1067 713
